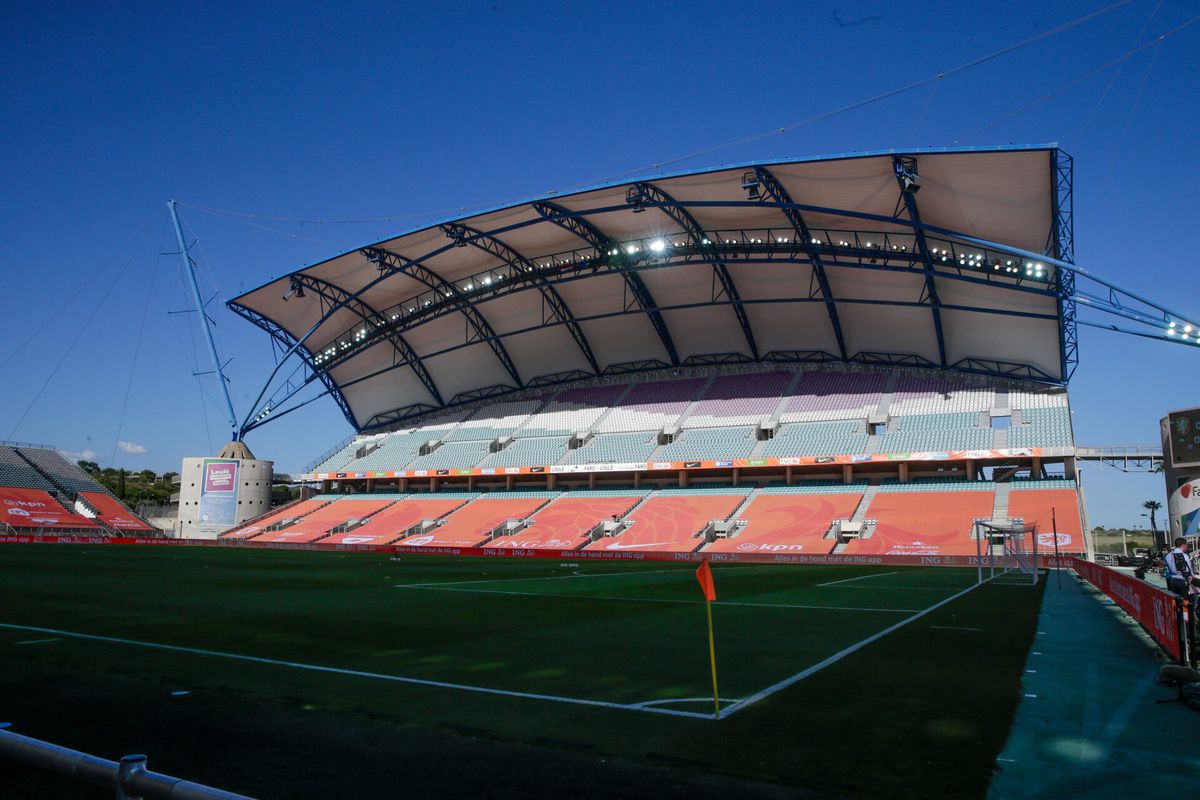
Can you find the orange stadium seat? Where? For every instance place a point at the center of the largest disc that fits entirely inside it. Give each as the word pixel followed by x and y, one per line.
pixel 113 513
pixel 390 524
pixel 1040 507
pixel 317 524
pixel 923 523
pixel 471 524
pixel 290 511
pixel 670 522
pixel 564 524
pixel 33 508
pixel 788 523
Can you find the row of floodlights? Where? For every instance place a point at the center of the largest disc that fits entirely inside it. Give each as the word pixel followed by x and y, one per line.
pixel 1186 333
pixel 1032 269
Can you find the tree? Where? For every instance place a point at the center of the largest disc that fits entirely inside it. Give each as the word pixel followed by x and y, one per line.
pixel 1153 506
pixel 121 484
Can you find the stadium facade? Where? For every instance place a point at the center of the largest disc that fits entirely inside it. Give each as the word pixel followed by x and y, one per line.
pixel 784 357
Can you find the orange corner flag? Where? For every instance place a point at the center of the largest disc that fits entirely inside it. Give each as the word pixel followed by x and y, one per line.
pixel 704 576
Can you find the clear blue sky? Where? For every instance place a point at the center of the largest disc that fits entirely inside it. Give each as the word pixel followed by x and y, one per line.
pixel 361 111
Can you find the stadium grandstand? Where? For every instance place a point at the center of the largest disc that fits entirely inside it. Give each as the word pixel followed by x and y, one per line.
pixel 796 357
pixel 41 492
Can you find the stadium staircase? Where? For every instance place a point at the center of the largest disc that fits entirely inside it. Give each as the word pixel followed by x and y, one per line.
pixel 857 521
pixel 600 531
pixel 511 527
pixel 288 521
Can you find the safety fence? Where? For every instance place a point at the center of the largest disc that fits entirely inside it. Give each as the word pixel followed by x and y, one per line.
pixel 128 779
pixel 1165 616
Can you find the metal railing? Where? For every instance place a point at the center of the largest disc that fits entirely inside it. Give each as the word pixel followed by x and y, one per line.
pixel 128 778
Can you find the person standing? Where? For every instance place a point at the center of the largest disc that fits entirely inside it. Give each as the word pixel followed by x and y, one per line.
pixel 1179 570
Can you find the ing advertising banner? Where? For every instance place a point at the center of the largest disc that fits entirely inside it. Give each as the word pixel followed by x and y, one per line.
pixel 218 494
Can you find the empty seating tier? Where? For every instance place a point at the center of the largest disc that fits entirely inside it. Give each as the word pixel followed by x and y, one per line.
pixel 390 524
pixel 935 395
pixel 285 515
pixel 921 523
pixel 739 400
pixel 710 443
pixel 316 525
pixel 493 421
pixel 817 439
pixel 529 452
pixel 935 432
pixel 29 509
pixel 670 521
pixel 112 513
pixel 472 525
pixel 572 411
pixel 16 471
pixel 651 406
pixel 565 523
pixel 834 395
pixel 789 523
pixel 614 448
pixel 1042 427
pixel 1041 507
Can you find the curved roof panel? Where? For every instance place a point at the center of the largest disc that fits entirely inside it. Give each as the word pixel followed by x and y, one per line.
pixel 857 258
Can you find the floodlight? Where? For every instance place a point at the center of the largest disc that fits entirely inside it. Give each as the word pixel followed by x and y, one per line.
pixel 658 245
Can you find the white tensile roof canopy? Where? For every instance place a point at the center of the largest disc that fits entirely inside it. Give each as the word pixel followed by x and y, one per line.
pixel 887 258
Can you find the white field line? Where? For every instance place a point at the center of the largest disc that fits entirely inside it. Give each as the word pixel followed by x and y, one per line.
pixel 649 703
pixel 746 702
pixel 444 588
pixel 903 588
pixel 859 578
pixel 684 570
pixel 356 673
pixel 541 578
pixel 952 628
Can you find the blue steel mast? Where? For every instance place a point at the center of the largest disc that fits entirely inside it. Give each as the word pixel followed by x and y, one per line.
pixel 189 267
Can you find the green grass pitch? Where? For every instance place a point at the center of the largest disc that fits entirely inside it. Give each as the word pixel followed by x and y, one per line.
pixel 289 658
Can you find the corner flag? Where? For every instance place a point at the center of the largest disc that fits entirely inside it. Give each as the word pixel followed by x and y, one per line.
pixel 704 576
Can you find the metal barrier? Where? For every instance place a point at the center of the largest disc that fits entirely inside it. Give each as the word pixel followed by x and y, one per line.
pixel 129 779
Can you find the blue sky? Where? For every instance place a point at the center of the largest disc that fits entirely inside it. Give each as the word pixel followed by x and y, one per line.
pixel 350 111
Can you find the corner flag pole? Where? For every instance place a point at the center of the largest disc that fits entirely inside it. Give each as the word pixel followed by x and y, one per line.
pixel 705 578
pixel 712 658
